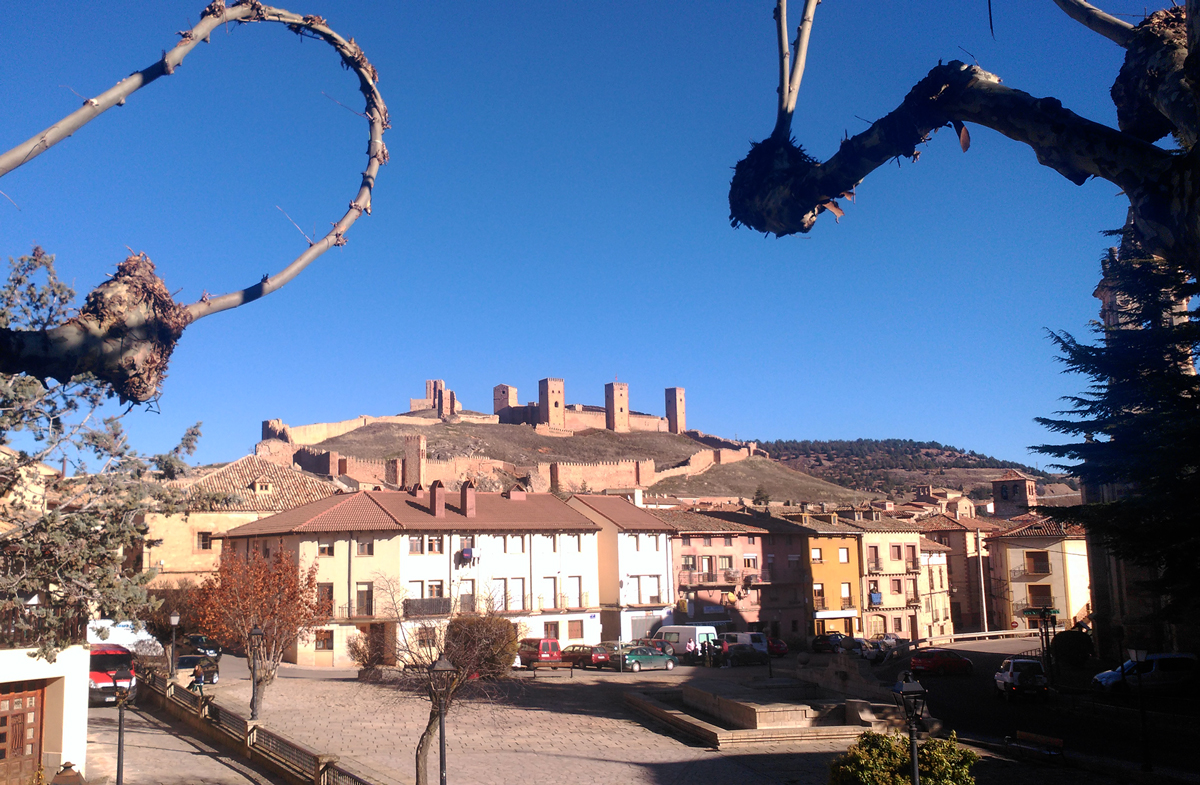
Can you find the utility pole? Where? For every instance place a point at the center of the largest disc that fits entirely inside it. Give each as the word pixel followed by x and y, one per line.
pixel 982 586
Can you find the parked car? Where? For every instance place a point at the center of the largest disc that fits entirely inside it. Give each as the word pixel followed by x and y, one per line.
pixel 888 640
pixel 106 660
pixel 636 658
pixel 776 647
pixel 582 655
pixel 532 650
pixel 756 639
pixel 940 662
pixel 186 663
pixel 1158 673
pixel 745 654
pixel 202 644
pixel 1021 675
pixel 658 644
pixel 826 642
pixel 860 647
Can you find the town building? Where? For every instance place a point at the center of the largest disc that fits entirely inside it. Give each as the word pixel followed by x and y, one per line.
pixel 968 567
pixel 398 565
pixel 1013 494
pixel 833 549
pixel 891 575
pixel 637 587
pixel 947 500
pixel 187 547
pixel 933 586
pixel 1045 566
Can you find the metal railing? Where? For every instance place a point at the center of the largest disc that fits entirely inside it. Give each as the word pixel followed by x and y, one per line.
pixel 819 603
pixel 186 697
pixel 1033 602
pixel 912 565
pixel 354 610
pixel 228 721
pixel 697 578
pixel 291 755
pixel 1030 571
pixel 429 606
pixel 336 775
pixel 874 564
pixel 847 603
pixel 20 629
pixel 466 603
pixel 911 599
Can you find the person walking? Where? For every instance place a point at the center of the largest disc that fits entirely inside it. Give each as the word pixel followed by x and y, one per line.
pixel 198 678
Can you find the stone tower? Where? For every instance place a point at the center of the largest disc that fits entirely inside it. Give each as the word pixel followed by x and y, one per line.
pixel 616 407
pixel 676 410
pixel 1013 494
pixel 414 459
pixel 552 406
pixel 504 396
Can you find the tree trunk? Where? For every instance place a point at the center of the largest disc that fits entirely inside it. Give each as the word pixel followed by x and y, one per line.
pixel 256 700
pixel 424 744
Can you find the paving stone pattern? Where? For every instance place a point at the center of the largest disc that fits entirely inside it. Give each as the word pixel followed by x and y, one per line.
pixel 553 730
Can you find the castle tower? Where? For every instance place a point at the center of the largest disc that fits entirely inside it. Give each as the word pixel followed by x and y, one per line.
pixel 1013 493
pixel 414 459
pixel 676 410
pixel 552 407
pixel 504 396
pixel 616 407
pixel 432 386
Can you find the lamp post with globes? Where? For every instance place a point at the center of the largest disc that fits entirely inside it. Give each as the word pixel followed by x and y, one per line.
pixel 256 636
pixel 910 697
pixel 174 624
pixel 1138 656
pixel 441 678
pixel 122 682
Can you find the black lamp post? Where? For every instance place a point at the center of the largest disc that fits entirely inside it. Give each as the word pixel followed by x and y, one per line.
pixel 174 624
pixel 910 697
pixel 1139 656
pixel 122 681
pixel 441 679
pixel 256 636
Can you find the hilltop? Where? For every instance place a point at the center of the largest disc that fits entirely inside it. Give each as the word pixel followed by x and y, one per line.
pixel 893 466
pixel 745 478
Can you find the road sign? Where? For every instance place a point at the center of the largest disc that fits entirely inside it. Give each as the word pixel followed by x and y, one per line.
pixel 1040 612
pixel 1013 624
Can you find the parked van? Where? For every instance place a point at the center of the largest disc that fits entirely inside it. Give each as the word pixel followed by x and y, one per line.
pixel 106 660
pixel 131 634
pixel 678 636
pixel 531 650
pixel 756 639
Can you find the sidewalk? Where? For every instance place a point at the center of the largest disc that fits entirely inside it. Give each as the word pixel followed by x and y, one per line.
pixel 160 752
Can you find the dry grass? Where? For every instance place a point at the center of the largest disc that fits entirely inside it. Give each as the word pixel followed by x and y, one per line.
pixel 743 478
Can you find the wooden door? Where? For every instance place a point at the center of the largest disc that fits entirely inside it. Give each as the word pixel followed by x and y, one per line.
pixel 21 705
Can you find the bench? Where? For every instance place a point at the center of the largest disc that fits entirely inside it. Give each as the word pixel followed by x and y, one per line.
pixel 542 664
pixel 1034 744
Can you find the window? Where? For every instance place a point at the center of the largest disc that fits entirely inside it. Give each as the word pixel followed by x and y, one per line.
pixel 366 547
pixel 427 637
pixel 725 562
pixel 435 545
pixel 897 624
pixel 819 590
pixel 708 542
pixel 466 541
pixel 728 541
pixel 845 590
pixel 896 586
pixel 204 541
pixel 816 555
pixel 793 561
pixel 325 547
pixel 844 555
pixel 325 598
pixel 551 630
pixel 689 561
pixel 416 544
pixel 749 561
pixel 416 590
pixel 750 539
pixel 896 553
pixel 1004 492
pixel 575 629
pixel 516 594
pixel 324 640
pixel 795 625
pixel 435 589
pixel 687 539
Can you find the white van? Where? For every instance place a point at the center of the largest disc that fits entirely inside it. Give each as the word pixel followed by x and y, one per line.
pixel 678 636
pixel 756 639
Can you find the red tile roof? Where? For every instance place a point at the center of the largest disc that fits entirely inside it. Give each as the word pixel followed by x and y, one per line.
pixel 627 516
pixel 289 488
pixel 1011 474
pixel 942 522
pixel 1033 525
pixel 929 546
pixel 687 522
pixel 399 511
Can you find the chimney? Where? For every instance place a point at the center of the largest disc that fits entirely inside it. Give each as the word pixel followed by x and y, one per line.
pixel 516 493
pixel 437 499
pixel 418 491
pixel 467 500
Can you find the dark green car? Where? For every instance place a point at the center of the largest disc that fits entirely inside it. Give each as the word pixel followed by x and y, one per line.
pixel 636 658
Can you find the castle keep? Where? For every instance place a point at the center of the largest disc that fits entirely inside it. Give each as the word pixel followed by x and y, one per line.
pixel 551 413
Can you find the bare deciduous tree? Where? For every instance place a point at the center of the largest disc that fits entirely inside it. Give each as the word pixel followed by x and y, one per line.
pixel 128 327
pixel 778 188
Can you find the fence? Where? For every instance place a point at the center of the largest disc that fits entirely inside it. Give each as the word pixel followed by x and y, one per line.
pixel 293 756
pixel 336 775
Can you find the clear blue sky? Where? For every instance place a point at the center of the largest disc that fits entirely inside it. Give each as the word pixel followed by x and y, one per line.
pixel 556 205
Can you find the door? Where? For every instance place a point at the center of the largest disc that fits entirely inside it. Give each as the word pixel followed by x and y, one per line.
pixel 706 566
pixel 21 705
pixel 575 591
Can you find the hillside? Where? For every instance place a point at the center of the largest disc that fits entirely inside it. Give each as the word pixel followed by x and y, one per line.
pixel 517 444
pixel 743 479
pixel 893 466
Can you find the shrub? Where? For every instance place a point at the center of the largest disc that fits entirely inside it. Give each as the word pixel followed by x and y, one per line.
pixel 878 759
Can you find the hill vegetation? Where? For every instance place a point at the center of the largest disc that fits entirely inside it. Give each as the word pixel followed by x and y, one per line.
pixel 746 478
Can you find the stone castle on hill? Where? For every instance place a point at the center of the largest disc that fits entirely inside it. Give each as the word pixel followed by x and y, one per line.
pixel 295 446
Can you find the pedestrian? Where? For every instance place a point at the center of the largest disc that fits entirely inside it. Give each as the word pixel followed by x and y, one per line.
pixel 198 679
pixel 691 649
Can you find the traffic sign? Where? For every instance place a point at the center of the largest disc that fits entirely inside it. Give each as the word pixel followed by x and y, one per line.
pixel 1014 625
pixel 1040 612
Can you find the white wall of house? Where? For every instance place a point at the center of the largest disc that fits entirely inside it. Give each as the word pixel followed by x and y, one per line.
pixel 64 715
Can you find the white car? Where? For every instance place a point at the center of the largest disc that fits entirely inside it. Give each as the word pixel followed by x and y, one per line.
pixel 1021 675
pixel 131 634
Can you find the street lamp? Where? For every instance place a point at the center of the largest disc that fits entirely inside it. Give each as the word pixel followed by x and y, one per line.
pixel 174 624
pixel 1139 656
pixel 256 636
pixel 910 698
pixel 441 679
pixel 122 681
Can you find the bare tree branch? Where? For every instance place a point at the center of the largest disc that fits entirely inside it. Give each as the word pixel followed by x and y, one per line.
pixel 1088 15
pixel 789 81
pixel 130 350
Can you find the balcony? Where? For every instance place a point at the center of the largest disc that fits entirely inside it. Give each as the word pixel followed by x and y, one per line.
pixel 819 603
pixel 361 610
pixel 874 564
pixel 750 577
pixel 847 603
pixel 1033 603
pixel 13 637
pixel 911 599
pixel 912 565
pixel 875 599
pixel 430 606
pixel 1030 572
pixel 718 578
pixel 466 603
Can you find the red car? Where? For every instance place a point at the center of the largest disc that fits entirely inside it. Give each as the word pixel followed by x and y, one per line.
pixel 583 656
pixel 940 662
pixel 776 647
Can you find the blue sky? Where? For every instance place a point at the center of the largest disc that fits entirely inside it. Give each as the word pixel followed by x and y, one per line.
pixel 556 205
